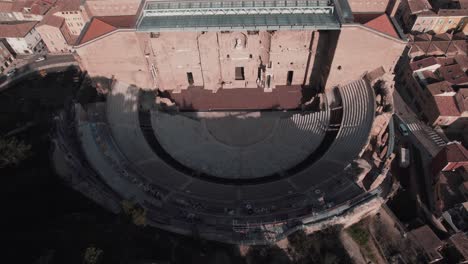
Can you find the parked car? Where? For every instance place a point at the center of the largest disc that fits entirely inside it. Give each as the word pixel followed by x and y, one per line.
pixel 403 129
pixel 10 72
pixel 40 59
pixel 404 156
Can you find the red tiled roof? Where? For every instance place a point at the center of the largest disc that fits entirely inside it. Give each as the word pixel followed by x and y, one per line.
pixel 453 74
pixel 462 60
pixel 438 47
pixel 6 6
pixel 447 105
pixel 68 5
pixel 96 29
pixel 439 88
pixel 40 7
pixel 453 152
pixel 443 61
pixel 442 36
pixel 452 12
pixel 17 30
pixel 421 64
pixel 460 242
pixel 382 24
pixel 459 36
pixel 419 48
pixel 428 240
pixel 119 21
pixel 417 6
pixel 100 26
pixel 461 45
pixel 421 37
pixel 51 20
pixel 18 6
pixel 464 97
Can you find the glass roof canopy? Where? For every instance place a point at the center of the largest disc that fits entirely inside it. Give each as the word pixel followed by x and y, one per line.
pixel 159 15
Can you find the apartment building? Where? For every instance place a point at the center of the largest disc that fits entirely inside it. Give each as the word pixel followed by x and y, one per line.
pixel 6 57
pixel 73 13
pixel 441 22
pixel 55 34
pixel 24 10
pixel 23 38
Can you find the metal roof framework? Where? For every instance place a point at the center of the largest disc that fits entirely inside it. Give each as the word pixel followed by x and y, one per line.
pixel 236 15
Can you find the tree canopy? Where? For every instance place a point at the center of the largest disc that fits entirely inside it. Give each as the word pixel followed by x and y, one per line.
pixel 13 151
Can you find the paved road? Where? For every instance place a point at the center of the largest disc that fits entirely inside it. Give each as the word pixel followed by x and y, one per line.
pixel 423 136
pixel 426 141
pixel 51 64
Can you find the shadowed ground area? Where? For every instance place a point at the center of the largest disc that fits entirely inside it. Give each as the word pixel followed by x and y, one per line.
pixel 240 144
pixel 197 98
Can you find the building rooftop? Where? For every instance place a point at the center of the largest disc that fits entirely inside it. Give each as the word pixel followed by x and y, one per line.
pixel 100 26
pixel 16 30
pixel 424 63
pixel 453 74
pixel 6 6
pixel 68 5
pixel 452 12
pixel 236 15
pixel 379 22
pixel 51 20
pixel 440 88
pixel 428 241
pixel 460 242
pixel 41 7
pixel 448 105
pixel 418 6
pixel 452 152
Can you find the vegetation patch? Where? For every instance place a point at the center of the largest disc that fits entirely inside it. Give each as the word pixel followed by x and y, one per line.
pixel 359 235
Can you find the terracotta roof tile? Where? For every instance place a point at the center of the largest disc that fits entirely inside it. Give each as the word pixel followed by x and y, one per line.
pixel 442 36
pixel 52 20
pixel 100 26
pixel 40 7
pixel 462 60
pixel 95 29
pixel 440 88
pixel 428 240
pixel 382 24
pixel 438 48
pixel 452 12
pixel 16 30
pixel 420 64
pixel 119 21
pixel 453 152
pixel 453 74
pixel 6 6
pixel 422 37
pixel 68 5
pixel 447 105
pixel 460 242
pixel 417 6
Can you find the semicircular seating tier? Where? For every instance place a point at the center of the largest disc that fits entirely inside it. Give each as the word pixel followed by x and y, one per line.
pixel 120 145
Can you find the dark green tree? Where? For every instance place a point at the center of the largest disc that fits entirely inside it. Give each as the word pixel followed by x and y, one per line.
pixel 13 151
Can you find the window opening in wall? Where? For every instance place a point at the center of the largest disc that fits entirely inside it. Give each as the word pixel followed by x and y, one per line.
pixel 240 73
pixel 190 78
pixel 268 81
pixel 290 77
